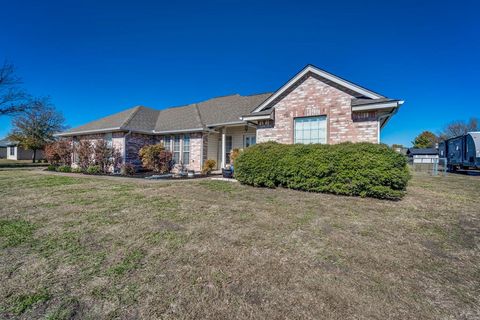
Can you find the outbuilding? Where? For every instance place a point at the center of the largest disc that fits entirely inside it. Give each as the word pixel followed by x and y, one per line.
pixel 423 155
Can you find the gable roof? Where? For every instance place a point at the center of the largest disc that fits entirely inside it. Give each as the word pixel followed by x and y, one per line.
pixel 331 79
pixel 193 117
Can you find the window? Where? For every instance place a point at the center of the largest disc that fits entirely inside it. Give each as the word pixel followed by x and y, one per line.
pixel 250 140
pixel 167 143
pixel 228 148
pixel 176 149
pixel 108 139
pixel 186 150
pixel 12 151
pixel 311 130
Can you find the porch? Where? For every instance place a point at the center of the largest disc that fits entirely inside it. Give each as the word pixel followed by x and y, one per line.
pixel 222 140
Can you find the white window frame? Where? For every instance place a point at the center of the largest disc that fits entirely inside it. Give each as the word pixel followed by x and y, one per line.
pixel 249 136
pixel 179 151
pixel 317 116
pixel 186 163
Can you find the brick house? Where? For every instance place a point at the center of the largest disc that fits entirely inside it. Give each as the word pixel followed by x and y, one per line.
pixel 312 107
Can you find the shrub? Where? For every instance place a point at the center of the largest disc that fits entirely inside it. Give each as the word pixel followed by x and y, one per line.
pixel 84 150
pixel 52 167
pixel 156 158
pixel 94 169
pixel 59 152
pixel 106 156
pixel 208 166
pixel 77 170
pixel 358 169
pixel 127 169
pixel 64 169
pixel 234 155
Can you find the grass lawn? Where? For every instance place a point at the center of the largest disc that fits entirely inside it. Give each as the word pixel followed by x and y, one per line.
pixel 90 248
pixel 6 163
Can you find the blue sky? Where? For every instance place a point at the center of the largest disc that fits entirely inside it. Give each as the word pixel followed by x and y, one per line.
pixel 95 58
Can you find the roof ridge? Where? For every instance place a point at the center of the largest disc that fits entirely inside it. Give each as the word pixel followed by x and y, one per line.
pixel 130 117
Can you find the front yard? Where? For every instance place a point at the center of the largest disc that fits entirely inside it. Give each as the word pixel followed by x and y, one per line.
pixel 90 248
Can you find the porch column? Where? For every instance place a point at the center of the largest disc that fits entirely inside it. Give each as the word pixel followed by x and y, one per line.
pixel 224 146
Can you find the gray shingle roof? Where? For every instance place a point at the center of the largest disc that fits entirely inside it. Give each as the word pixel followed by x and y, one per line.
pixel 230 108
pixel 197 116
pixel 178 118
pixel 116 120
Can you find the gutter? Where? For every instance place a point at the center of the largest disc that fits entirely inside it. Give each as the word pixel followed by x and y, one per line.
pixel 74 133
pixel 177 131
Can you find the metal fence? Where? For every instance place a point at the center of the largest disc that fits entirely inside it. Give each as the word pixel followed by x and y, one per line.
pixel 436 167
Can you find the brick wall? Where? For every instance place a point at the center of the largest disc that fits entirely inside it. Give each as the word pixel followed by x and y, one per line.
pixel 313 97
pixel 133 143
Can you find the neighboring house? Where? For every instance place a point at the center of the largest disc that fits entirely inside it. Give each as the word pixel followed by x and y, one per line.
pixel 14 152
pixel 3 148
pixel 423 155
pixel 312 107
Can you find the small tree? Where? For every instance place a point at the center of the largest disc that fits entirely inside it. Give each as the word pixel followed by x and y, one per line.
pixel 426 139
pixel 35 127
pixel 84 151
pixel 59 152
pixel 106 156
pixel 156 158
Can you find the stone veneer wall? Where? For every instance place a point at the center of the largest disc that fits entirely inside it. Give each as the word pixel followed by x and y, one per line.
pixel 314 97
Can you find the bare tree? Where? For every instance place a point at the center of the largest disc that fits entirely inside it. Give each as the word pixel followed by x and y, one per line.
pixel 36 126
pixel 458 128
pixel 13 99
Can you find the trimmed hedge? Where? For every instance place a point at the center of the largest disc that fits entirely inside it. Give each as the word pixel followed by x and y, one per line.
pixel 356 169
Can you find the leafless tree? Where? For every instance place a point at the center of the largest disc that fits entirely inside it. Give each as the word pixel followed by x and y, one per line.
pixel 13 99
pixel 458 128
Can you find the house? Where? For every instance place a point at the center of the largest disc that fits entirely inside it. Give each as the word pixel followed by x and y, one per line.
pixel 3 148
pixel 14 152
pixel 312 107
pixel 423 155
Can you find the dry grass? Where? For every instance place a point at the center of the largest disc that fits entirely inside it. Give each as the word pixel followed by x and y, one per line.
pixel 91 248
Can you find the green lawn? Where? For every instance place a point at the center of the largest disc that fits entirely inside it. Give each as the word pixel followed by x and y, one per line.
pixel 7 163
pixel 90 248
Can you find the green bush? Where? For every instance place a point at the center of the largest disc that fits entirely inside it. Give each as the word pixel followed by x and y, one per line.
pixel 77 170
pixel 64 169
pixel 52 167
pixel 357 169
pixel 94 170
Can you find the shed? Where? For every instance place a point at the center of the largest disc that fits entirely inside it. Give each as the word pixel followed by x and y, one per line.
pixel 423 155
